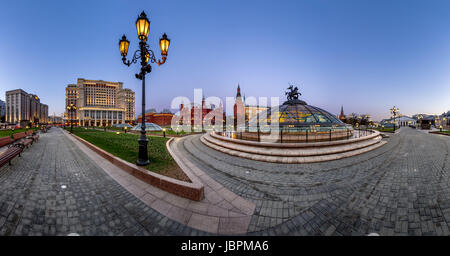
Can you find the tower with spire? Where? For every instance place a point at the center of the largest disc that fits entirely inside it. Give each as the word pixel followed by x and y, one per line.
pixel 238 106
pixel 342 116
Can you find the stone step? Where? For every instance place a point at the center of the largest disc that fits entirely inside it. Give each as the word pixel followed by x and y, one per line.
pixel 292 159
pixel 291 152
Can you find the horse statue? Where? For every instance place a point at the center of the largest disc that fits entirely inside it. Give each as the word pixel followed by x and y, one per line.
pixel 292 93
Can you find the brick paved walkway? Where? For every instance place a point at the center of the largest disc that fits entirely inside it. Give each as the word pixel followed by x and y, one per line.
pixel 33 201
pixel 401 188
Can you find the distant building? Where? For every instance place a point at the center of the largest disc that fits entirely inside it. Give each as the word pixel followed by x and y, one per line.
pixel 22 107
pixel 445 119
pixel 400 121
pixel 342 116
pixel 249 111
pixel 161 119
pixel 99 103
pixel 202 109
pixel 128 101
pixel 55 119
pixel 2 110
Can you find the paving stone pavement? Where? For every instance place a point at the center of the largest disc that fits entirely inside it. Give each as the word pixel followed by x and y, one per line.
pixel 401 188
pixel 33 200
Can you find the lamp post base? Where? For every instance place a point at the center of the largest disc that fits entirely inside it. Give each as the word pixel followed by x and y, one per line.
pixel 143 151
pixel 142 163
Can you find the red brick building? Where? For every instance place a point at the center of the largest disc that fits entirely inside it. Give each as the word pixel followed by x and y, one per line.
pixel 204 111
pixel 161 119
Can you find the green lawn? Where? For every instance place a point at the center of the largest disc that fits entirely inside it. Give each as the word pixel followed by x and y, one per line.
pixel 169 131
pixel 5 133
pixel 125 146
pixel 380 129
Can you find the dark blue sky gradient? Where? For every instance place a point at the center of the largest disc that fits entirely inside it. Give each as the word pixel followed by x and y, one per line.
pixel 365 55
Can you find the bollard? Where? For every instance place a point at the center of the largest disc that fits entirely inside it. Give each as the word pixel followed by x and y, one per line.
pixel 330 134
pixel 306 136
pixel 281 136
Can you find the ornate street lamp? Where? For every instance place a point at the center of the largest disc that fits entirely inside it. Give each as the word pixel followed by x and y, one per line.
pixel 146 56
pixel 419 118
pixel 394 112
pixel 70 109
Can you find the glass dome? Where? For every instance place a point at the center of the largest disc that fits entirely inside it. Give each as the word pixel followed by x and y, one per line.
pixel 122 125
pixel 148 127
pixel 298 115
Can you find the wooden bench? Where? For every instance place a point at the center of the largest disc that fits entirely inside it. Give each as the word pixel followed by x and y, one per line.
pixel 22 135
pixel 30 135
pixel 5 141
pixel 19 136
pixel 9 155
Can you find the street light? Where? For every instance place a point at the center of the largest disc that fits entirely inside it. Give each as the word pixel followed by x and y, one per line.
pixel 146 56
pixel 419 118
pixel 394 112
pixel 70 109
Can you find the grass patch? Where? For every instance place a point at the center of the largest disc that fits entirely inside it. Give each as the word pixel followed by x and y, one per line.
pixel 6 133
pixel 385 129
pixel 125 146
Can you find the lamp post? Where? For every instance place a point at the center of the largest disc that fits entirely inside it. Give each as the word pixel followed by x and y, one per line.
pixel 70 109
pixel 419 118
pixel 145 55
pixel 394 112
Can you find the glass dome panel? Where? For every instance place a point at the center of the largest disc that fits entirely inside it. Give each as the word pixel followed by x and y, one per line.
pixel 299 114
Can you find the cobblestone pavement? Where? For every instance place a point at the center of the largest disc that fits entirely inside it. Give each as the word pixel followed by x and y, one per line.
pixel 401 188
pixel 34 202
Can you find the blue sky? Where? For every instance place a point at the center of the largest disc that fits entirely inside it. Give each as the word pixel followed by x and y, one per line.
pixel 365 55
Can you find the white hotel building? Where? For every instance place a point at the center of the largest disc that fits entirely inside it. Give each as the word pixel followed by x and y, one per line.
pixel 99 103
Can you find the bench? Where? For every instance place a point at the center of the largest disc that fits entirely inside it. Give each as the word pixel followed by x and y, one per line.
pixel 5 141
pixel 9 154
pixel 22 135
pixel 19 136
pixel 30 135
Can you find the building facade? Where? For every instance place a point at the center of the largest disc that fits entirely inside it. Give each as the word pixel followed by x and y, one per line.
pixel 202 111
pixel 99 103
pixel 400 121
pixel 128 101
pixel 342 115
pixel 161 119
pixel 22 107
pixel 248 112
pixel 2 111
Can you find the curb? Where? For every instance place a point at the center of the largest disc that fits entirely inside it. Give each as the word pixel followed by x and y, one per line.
pixel 193 191
pixel 440 133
